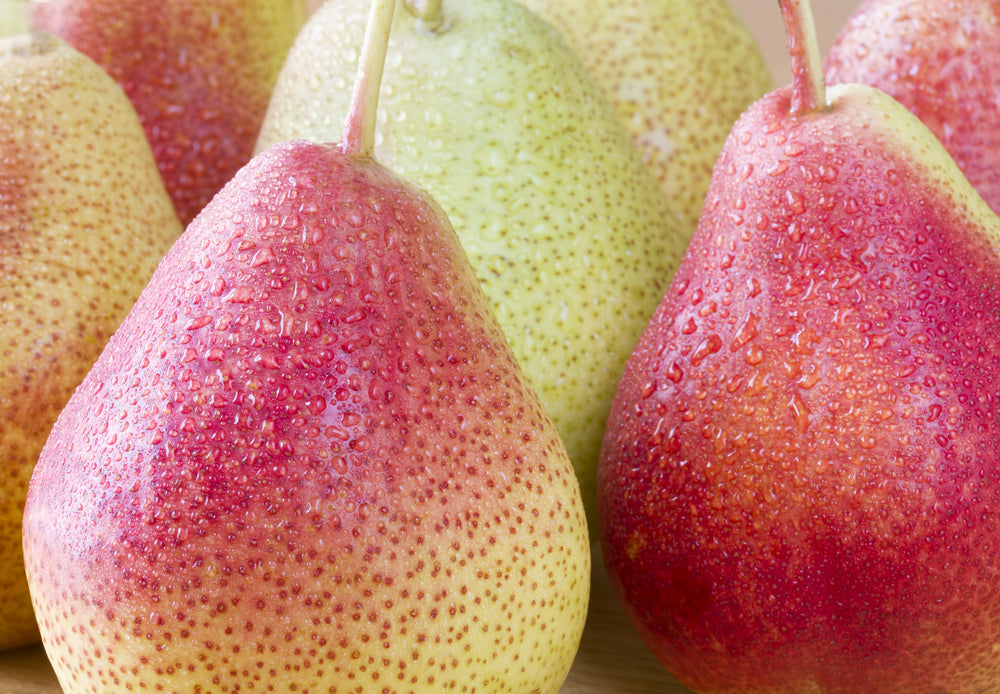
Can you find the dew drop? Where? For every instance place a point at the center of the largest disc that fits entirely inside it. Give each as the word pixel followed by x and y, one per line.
pixel 801 412
pixel 746 332
pixel 491 157
pixel 754 355
pixel 674 373
pixel 776 168
pixel 796 202
pixel 710 345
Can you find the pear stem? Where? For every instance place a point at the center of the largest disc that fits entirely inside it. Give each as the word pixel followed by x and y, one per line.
pixel 808 85
pixel 429 12
pixel 359 126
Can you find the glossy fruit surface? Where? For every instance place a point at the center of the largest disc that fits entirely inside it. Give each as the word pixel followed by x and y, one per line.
pixel 798 483
pixel 308 459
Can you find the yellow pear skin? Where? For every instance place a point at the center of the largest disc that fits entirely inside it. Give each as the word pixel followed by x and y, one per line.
pixel 84 219
pixel 679 74
pixel 494 115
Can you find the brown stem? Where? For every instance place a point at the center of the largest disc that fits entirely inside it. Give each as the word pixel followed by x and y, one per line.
pixel 808 86
pixel 359 126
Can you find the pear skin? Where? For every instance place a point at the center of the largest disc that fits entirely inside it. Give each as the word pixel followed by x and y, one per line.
pixel 938 59
pixel 199 72
pixel 84 219
pixel 308 459
pixel 679 74
pixel 495 117
pixel 799 475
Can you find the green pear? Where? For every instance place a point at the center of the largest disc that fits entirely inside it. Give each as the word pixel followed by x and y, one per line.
pixel 940 60
pixel 199 72
pixel 490 111
pixel 679 74
pixel 308 460
pixel 13 17
pixel 84 219
pixel 798 488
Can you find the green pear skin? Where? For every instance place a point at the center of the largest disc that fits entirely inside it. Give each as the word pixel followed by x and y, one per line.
pixel 84 219
pixel 679 74
pixel 498 120
pixel 798 483
pixel 939 59
pixel 308 461
pixel 199 72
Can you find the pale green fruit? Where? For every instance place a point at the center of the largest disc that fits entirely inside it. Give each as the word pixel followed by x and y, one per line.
pixel 495 116
pixel 678 72
pixel 13 17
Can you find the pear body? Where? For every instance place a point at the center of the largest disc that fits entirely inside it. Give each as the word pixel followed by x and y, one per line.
pixel 498 120
pixel 938 59
pixel 199 72
pixel 799 472
pixel 679 74
pixel 84 219
pixel 308 460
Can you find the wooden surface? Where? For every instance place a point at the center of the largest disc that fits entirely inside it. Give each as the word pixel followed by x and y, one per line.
pixel 611 660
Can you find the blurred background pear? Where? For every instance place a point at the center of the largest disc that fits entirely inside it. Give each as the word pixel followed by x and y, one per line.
pixel 199 72
pixel 679 74
pixel 84 220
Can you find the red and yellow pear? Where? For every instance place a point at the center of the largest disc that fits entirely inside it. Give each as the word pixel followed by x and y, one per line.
pixel 799 478
pixel 308 460
pixel 199 72
pixel 84 219
pixel 938 58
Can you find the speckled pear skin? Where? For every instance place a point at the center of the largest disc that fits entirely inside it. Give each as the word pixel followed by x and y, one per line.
pixel 308 458
pixel 495 117
pixel 799 475
pixel 199 72
pixel 940 60
pixel 84 219
pixel 679 74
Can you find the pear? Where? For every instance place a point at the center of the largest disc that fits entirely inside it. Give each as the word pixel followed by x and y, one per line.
pixel 490 111
pixel 13 17
pixel 308 460
pixel 679 74
pixel 939 59
pixel 199 72
pixel 799 477
pixel 84 219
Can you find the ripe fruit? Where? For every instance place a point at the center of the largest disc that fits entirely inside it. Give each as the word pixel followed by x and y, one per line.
pixel 798 481
pixel 308 460
pixel 679 74
pixel 84 219
pixel 199 73
pixel 939 59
